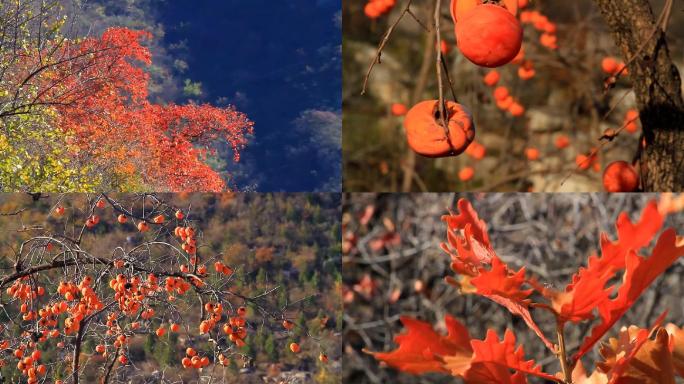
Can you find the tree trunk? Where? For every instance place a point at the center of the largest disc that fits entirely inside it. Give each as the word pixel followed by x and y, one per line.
pixel 657 86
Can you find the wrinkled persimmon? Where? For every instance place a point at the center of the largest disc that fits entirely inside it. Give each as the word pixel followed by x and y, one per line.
pixel 426 134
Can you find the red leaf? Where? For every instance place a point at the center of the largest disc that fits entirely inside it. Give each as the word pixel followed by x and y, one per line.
pixel 468 217
pixel 420 348
pixel 583 295
pixel 677 347
pixel 499 281
pixel 468 235
pixel 630 236
pixel 619 353
pixel 639 274
pixel 493 361
pixel 587 290
pixel 651 363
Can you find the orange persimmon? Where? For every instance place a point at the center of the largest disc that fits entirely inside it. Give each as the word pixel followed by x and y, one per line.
pixel 466 174
pixel 143 226
pixel 294 347
pixel 398 109
pixel 426 135
pixel 620 176
pixel 491 78
pixel 489 36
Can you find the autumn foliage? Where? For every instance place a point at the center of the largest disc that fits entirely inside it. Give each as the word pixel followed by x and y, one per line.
pixel 598 294
pixel 93 93
pixel 113 120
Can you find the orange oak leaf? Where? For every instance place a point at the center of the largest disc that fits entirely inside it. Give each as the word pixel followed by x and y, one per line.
pixel 581 298
pixel 467 216
pixel 640 272
pixel 648 363
pixel 493 360
pixel 421 347
pixel 631 236
pixel 499 281
pixel 579 376
pixel 619 352
pixel 467 234
pixel 588 290
pixel 677 347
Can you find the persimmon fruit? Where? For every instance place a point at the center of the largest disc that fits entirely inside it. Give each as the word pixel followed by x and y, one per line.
pixel 620 176
pixel 242 311
pixel 532 154
pixel 426 135
pixel 476 150
pixel 501 93
pixel 466 174
pixel 294 347
pixel 516 109
pixel 562 142
pixel 489 36
pixel 398 109
pixel 609 65
pixel 491 78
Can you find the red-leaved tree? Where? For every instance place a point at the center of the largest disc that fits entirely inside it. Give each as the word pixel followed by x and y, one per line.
pixel 95 91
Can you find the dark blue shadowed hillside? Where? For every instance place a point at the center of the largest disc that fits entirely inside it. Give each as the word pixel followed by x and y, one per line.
pixel 279 62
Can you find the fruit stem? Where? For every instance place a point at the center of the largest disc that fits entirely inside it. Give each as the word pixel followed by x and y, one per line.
pixel 440 84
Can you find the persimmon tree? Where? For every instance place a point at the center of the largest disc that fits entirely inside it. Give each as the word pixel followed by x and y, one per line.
pixel 517 49
pixel 84 309
pixel 92 92
pixel 598 294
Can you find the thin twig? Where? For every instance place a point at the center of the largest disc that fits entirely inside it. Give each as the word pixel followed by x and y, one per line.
pixel 384 41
